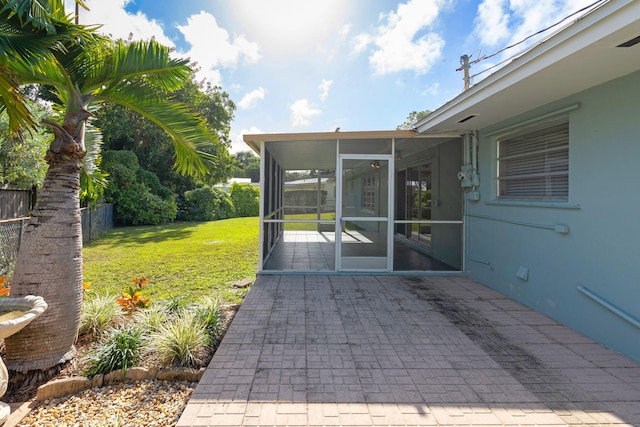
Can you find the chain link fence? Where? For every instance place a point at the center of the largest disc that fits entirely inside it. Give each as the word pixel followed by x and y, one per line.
pixel 95 222
pixel 10 237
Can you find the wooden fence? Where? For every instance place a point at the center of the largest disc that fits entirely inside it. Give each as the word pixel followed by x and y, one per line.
pixel 15 203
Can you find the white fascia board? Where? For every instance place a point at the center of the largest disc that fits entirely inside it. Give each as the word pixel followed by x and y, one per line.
pixel 585 31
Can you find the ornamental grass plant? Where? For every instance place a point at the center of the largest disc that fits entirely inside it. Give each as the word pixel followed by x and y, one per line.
pixel 98 312
pixel 119 350
pixel 183 341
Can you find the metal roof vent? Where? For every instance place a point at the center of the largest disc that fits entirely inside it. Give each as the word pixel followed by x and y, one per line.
pixel 630 43
pixel 467 118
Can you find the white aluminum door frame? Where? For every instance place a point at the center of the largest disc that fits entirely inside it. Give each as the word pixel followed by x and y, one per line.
pixel 390 209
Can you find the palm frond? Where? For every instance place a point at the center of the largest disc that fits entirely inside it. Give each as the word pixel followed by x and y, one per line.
pixel 37 13
pixel 146 61
pixel 32 34
pixel 42 72
pixel 13 104
pixel 92 180
pixel 93 145
pixel 188 131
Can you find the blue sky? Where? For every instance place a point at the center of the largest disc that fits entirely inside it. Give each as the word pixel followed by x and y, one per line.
pixel 315 65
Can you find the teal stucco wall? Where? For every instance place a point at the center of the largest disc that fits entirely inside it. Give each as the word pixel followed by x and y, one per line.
pixel 601 251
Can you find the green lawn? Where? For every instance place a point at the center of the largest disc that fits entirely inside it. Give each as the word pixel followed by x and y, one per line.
pixel 190 259
pixel 307 226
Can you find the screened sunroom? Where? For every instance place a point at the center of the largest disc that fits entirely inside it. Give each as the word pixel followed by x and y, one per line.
pixel 377 201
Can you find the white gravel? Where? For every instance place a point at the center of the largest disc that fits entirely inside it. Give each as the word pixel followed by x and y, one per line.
pixel 145 403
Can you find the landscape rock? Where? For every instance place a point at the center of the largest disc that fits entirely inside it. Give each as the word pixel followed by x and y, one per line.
pixel 62 387
pixel 140 374
pixel 180 374
pixel 244 283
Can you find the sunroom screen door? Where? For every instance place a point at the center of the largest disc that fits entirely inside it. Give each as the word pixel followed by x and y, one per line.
pixel 364 238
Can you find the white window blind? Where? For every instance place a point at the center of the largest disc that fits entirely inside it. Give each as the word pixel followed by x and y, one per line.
pixel 533 164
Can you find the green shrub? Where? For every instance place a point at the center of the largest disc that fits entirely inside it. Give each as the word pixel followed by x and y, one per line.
pixel 120 349
pixel 112 159
pixel 139 197
pixel 182 341
pixel 246 199
pixel 206 204
pixel 98 312
pixel 307 198
pixel 152 182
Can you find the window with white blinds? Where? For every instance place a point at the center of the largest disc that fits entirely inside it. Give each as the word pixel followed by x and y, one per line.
pixel 533 164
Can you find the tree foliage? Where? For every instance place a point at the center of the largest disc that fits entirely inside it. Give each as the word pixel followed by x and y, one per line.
pixel 246 165
pixel 413 118
pixel 138 196
pixel 246 199
pixel 22 155
pixel 124 129
pixel 206 204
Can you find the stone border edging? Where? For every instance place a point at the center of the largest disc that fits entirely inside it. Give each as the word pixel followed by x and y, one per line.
pixel 71 385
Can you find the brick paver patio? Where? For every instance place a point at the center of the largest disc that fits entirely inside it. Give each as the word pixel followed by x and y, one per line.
pixel 406 351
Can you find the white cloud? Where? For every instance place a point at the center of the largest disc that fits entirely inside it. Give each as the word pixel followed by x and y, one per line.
pixel 212 47
pixel 492 22
pixel 237 141
pixel 501 22
pixel 324 89
pixel 251 98
pixel 344 30
pixel 403 42
pixel 432 90
pixel 302 111
pixel 118 23
pixel 286 27
pixel 361 42
pixel 201 32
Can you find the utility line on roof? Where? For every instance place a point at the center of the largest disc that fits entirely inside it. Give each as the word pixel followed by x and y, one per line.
pixel 467 64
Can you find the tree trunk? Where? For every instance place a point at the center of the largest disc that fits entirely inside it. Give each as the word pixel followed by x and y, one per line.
pixel 49 263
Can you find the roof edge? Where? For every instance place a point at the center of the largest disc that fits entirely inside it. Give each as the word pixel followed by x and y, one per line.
pixel 521 66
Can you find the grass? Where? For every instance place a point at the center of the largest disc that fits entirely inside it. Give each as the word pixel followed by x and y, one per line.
pixel 307 226
pixel 182 259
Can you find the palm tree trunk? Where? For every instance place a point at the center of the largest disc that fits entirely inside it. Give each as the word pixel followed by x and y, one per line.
pixel 49 264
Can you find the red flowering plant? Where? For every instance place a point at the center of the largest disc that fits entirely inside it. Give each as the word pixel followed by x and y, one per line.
pixel 4 288
pixel 132 299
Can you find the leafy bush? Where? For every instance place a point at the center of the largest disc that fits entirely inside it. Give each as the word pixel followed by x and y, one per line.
pixel 138 195
pixel 182 341
pixel 120 349
pixel 132 299
pixel 206 204
pixel 306 198
pixel 152 182
pixel 246 199
pixel 98 312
